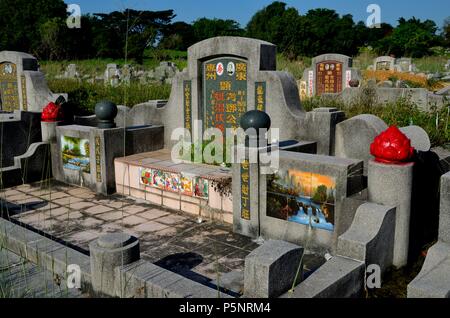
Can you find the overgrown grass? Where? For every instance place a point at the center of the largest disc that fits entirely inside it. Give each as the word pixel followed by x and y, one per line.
pixel 83 96
pixel 401 113
pixel 296 67
pixel 152 58
pixel 364 59
pixel 97 67
pixel 431 64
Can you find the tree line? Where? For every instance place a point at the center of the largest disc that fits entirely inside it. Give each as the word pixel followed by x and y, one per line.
pixel 39 27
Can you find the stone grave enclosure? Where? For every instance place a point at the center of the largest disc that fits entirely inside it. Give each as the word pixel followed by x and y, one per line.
pixel 23 86
pixel 328 197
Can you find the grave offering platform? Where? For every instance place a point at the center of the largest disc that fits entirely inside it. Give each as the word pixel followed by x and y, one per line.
pixel 198 189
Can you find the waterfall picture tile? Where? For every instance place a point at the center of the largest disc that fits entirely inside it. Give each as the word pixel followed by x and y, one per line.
pixel 302 197
pixel 75 153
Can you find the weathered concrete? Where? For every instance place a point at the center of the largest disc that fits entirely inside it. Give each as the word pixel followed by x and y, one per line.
pixel 109 144
pixel 106 253
pixel 418 136
pixel 34 165
pixel 137 279
pixel 18 135
pixel 49 131
pixel 46 253
pixel 354 136
pixel 145 280
pixel 320 125
pixel 248 227
pixel 271 269
pixel 348 176
pixel 384 63
pixel 433 280
pixel 444 216
pixel 338 278
pixel 22 279
pixel 391 185
pixel 370 239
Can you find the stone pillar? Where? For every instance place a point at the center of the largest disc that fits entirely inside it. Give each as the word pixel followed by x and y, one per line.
pixel 444 215
pixel 108 252
pixel 246 173
pixel 245 193
pixel 48 130
pixel 270 269
pixel 391 185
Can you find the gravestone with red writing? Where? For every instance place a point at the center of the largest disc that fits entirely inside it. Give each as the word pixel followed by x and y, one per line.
pixel 328 74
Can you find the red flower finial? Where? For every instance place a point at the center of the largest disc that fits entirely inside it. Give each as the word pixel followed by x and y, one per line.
pixel 52 112
pixel 391 146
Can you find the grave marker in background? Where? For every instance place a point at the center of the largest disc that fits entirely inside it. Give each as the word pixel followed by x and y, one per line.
pixel 328 74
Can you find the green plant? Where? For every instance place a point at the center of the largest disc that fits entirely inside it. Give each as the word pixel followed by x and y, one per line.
pixel 402 112
pixel 83 96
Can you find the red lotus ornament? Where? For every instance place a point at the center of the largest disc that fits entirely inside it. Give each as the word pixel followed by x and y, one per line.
pixel 51 113
pixel 392 146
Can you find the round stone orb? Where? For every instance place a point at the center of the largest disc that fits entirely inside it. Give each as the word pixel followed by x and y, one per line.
pixel 255 119
pixel 106 111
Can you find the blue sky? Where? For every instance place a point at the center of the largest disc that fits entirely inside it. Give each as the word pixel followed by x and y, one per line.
pixel 242 10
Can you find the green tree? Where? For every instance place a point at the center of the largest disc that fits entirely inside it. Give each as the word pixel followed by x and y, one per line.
pixel 265 23
pixel 205 28
pixel 51 33
pixel 130 31
pixel 21 20
pixel 318 31
pixel 178 36
pixel 446 33
pixel 411 37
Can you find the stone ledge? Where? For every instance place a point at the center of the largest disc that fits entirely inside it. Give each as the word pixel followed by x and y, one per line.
pixel 142 279
pixel 371 232
pixel 338 278
pixel 49 254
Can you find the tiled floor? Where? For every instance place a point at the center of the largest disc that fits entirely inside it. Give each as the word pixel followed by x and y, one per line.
pixel 78 216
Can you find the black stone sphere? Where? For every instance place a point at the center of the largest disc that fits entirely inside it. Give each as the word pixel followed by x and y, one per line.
pixel 106 111
pixel 255 119
pixel 353 83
